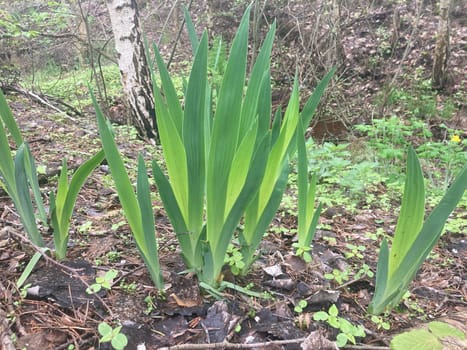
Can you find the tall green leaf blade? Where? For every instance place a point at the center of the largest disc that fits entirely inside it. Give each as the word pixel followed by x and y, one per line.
pixel 62 189
pixel 264 106
pixel 174 154
pixel 276 125
pixel 60 227
pixel 256 222
pixel 224 144
pixel 9 120
pixel 313 224
pixel 147 243
pixel 120 176
pixel 76 183
pixel 280 149
pixel 66 198
pixel 31 173
pixel 214 257
pixel 7 165
pixel 391 288
pixel 168 198
pixel 194 138
pixel 260 70
pixel 429 234
pixel 412 211
pixel 169 91
pixel 191 30
pixel 313 101
pixel 24 205
pixel 241 164
pixel 302 183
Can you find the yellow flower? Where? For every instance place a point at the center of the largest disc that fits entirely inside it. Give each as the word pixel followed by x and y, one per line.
pixel 455 138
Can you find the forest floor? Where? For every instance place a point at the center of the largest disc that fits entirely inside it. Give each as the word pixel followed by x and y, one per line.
pixel 61 314
pixel 53 310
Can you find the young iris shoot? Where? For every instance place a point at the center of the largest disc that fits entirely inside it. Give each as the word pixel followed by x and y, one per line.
pixel 307 215
pixel 18 175
pixel 413 238
pixel 223 159
pixel 63 202
pixel 136 207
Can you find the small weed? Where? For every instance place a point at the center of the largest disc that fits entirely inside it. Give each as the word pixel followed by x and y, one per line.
pixel 364 271
pixel 380 323
pixel 412 305
pixel 337 275
pixel 301 305
pixel 149 300
pixel 113 256
pixel 85 227
pixel 129 288
pixel 348 331
pixel 117 225
pixel 234 259
pixel 108 334
pixel 103 282
pixel 303 252
pixel 354 251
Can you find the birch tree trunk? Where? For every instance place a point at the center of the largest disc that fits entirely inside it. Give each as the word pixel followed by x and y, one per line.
pixel 133 66
pixel 441 54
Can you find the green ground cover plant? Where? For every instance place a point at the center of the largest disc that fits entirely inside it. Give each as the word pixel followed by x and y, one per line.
pixel 347 331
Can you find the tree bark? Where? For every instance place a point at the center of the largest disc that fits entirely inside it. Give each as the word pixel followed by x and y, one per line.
pixel 441 54
pixel 134 69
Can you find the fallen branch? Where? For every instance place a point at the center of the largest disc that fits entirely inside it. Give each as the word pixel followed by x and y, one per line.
pixel 43 100
pixel 228 345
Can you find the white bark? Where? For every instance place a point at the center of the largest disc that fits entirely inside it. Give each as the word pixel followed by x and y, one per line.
pixel 133 65
pixel 441 54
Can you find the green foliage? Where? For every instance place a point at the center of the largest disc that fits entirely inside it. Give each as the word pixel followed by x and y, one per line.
pixel 223 160
pixel 135 206
pixel 426 339
pixel 300 306
pixel 307 215
pixel 103 282
pixel 338 275
pixel 63 202
pixel 413 239
pixel 343 181
pixel 380 323
pixel 108 334
pixel 72 86
pixel 347 330
pixel 389 137
pixel 234 259
pixel 18 175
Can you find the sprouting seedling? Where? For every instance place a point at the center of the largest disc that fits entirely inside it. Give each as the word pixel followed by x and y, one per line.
pixel 103 282
pixel 108 334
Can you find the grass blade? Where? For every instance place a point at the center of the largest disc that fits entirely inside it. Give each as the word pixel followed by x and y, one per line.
pixel 149 240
